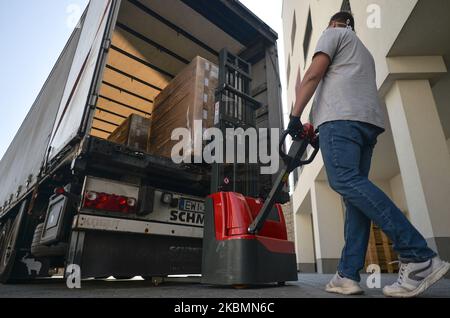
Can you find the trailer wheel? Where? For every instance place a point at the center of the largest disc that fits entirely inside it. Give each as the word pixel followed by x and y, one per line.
pixel 8 231
pixel 37 236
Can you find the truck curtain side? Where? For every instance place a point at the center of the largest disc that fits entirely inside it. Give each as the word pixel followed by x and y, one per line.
pixel 21 165
pixel 126 52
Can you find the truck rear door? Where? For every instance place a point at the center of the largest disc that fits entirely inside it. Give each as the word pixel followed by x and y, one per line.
pixel 88 63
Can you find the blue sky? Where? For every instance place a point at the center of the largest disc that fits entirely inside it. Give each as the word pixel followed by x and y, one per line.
pixel 33 34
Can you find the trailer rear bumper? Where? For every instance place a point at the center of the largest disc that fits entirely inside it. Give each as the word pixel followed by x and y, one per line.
pixel 104 247
pixel 85 222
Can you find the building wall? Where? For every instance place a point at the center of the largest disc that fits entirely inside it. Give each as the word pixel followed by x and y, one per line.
pixel 398 194
pixel 417 184
pixel 378 41
pixel 441 91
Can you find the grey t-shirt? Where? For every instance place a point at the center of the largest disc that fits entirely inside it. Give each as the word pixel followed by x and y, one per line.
pixel 349 90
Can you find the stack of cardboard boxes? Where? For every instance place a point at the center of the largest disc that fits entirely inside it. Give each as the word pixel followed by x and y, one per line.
pixel 187 100
pixel 133 133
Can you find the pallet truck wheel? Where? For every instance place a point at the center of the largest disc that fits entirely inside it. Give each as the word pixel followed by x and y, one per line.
pixel 156 281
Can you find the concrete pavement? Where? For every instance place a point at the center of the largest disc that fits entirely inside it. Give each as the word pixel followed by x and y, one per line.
pixel 308 286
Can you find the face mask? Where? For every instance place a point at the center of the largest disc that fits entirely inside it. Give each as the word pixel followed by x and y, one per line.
pixel 346 25
pixel 349 27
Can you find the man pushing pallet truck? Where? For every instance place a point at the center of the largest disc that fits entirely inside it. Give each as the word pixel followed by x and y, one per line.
pixel 349 116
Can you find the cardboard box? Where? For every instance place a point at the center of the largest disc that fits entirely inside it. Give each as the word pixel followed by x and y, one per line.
pixel 134 133
pixel 188 98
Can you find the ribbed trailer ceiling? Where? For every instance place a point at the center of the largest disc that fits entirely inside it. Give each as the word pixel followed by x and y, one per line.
pixel 234 19
pixel 191 22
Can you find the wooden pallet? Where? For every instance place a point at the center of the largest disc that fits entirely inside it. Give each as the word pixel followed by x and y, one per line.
pixel 380 251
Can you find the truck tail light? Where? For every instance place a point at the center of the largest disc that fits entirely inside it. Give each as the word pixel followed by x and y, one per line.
pixel 109 202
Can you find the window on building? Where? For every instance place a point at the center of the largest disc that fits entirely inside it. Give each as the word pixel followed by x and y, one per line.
pixel 293 32
pixel 308 34
pixel 346 6
pixel 288 69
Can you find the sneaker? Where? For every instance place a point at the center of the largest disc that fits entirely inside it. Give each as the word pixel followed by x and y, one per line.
pixel 343 286
pixel 416 278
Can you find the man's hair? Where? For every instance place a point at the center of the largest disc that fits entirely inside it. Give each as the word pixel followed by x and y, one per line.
pixel 344 17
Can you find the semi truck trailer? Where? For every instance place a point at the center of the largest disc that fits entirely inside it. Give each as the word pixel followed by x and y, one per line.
pixel 69 196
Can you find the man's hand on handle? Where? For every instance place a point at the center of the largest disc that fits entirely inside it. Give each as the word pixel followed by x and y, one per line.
pixel 295 128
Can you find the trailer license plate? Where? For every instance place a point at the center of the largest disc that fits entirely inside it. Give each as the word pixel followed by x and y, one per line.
pixel 192 206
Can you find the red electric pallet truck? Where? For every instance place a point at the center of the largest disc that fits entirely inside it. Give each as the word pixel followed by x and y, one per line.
pixel 245 239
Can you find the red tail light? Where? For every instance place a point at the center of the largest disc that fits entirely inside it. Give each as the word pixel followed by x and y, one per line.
pixel 109 202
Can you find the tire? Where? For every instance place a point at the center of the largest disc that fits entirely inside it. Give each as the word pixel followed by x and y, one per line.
pixel 8 236
pixel 42 251
pixel 38 250
pixel 37 236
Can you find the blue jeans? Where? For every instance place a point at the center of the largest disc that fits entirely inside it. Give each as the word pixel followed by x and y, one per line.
pixel 347 149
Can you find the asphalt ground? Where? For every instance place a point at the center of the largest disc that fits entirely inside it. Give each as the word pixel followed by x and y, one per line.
pixel 308 286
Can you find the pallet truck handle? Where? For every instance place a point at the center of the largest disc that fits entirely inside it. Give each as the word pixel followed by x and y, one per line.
pixel 314 142
pixel 291 162
pixel 284 135
pixel 311 158
pixel 310 135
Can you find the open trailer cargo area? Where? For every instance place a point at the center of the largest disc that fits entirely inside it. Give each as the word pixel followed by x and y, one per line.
pixel 124 55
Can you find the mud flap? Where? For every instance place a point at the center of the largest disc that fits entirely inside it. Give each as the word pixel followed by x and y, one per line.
pixel 22 265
